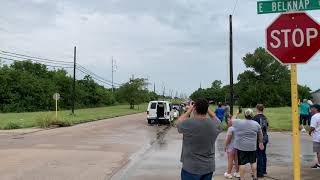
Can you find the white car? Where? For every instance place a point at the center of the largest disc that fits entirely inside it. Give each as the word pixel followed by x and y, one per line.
pixel 159 112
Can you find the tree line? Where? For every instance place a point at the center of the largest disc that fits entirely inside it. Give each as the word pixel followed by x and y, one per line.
pixel 27 86
pixel 264 81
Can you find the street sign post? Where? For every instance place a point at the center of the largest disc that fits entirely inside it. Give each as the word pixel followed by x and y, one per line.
pixel 56 97
pixel 295 123
pixel 279 6
pixel 293 38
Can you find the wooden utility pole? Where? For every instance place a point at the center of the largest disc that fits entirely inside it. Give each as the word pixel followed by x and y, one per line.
pixel 231 67
pixel 74 79
pixel 112 66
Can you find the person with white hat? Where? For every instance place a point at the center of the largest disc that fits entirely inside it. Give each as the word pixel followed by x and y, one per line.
pixel 247 132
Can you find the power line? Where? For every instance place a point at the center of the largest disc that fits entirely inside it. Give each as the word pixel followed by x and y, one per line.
pixel 56 66
pixel 38 58
pixel 235 6
pixel 95 78
pixel 11 56
pixel 30 59
pixel 93 74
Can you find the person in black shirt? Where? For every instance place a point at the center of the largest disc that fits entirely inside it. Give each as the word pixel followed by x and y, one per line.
pixel 261 154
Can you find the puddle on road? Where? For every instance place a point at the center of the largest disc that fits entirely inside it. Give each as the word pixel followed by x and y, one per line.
pixel 159 143
pixel 308 158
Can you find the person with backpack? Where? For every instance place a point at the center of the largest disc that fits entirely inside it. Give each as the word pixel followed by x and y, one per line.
pixel 261 119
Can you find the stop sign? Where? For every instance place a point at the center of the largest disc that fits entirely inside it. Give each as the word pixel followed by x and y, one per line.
pixel 293 38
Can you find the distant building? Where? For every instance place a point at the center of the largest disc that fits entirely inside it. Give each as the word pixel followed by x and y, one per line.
pixel 316 97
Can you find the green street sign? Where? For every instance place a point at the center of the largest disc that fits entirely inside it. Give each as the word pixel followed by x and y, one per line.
pixel 279 6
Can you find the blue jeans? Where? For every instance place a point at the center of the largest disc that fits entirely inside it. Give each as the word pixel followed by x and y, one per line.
pixel 262 161
pixel 188 176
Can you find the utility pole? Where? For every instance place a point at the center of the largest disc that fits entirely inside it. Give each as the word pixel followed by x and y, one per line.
pixel 154 87
pixel 112 71
pixel 164 91
pixel 74 78
pixel 231 67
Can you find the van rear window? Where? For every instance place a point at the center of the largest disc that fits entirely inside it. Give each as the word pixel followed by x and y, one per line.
pixel 153 106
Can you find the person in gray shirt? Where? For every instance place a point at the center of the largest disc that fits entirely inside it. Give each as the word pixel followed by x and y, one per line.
pixel 199 137
pixel 246 133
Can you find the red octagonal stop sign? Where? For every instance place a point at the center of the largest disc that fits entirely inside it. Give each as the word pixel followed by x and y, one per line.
pixel 293 38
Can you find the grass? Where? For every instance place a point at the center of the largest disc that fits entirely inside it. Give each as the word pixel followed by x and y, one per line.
pixel 280 118
pixel 46 119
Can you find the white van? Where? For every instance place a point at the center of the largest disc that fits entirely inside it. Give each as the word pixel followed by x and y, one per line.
pixel 159 112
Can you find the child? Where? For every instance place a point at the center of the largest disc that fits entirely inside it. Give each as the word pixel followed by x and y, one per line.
pixel 232 152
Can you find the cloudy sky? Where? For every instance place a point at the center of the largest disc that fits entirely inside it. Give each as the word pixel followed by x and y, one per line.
pixel 174 43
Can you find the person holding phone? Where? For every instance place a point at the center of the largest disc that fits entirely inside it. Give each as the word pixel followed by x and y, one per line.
pixel 199 137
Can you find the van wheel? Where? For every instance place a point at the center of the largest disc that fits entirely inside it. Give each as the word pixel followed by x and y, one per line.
pixel 149 121
pixel 167 121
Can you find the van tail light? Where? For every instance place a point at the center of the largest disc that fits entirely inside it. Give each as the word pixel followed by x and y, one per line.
pixel 148 112
pixel 168 113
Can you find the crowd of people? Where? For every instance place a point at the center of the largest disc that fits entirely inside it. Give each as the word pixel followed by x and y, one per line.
pixel 245 143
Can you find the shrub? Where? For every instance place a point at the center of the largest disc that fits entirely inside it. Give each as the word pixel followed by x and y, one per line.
pixel 49 120
pixel 12 125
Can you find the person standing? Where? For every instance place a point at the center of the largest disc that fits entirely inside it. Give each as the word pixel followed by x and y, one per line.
pixel 304 114
pixel 261 119
pixel 247 132
pixel 220 112
pixel 226 112
pixel 199 137
pixel 231 152
pixel 310 114
pixel 315 132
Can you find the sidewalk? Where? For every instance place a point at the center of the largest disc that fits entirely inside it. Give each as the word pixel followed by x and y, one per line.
pixel 282 173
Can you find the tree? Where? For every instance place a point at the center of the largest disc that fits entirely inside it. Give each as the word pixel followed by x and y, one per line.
pixel 304 92
pixel 27 86
pixel 134 92
pixel 215 92
pixel 265 81
pixel 216 85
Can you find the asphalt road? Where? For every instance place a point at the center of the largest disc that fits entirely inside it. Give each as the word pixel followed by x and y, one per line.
pixel 92 151
pixel 123 148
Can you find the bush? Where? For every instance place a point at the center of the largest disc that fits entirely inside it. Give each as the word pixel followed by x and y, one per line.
pixel 49 120
pixel 12 125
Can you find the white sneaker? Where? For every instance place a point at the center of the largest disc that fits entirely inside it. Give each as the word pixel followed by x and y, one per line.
pixel 228 176
pixel 303 130
pixel 237 175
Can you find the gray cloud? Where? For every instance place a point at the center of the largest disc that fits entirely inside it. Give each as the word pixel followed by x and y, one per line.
pixel 179 43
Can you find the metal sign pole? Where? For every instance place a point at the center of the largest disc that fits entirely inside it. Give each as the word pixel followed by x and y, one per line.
pixel 56 108
pixel 295 122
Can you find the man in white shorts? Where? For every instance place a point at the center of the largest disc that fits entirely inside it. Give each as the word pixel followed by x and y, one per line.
pixel 315 132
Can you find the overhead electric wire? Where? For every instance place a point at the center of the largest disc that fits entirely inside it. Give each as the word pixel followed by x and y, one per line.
pixel 11 56
pixel 235 6
pixel 10 59
pixel 93 74
pixel 35 60
pixel 96 78
pixel 39 58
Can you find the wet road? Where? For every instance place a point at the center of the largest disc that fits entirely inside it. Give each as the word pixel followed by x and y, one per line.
pixel 88 151
pixel 123 148
pixel 161 161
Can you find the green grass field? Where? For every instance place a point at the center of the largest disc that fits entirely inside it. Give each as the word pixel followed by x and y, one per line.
pixel 279 118
pixel 27 120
